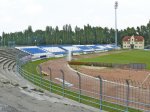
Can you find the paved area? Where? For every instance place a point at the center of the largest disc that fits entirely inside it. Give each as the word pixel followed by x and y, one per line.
pixel 19 95
pixel 15 99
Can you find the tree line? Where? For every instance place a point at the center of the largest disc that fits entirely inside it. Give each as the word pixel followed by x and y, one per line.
pixel 67 35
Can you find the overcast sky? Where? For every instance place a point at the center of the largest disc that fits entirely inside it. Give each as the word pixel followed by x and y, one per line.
pixel 16 15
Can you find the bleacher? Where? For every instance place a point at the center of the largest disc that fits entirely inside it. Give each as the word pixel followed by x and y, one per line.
pixel 35 51
pixel 72 48
pixel 54 49
pixel 102 47
pixel 85 48
pixel 96 48
pixel 109 47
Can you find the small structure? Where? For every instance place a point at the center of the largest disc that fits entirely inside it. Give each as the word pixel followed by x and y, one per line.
pixel 69 57
pixel 133 42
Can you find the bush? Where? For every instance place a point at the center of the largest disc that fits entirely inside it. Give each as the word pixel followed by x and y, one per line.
pixel 91 64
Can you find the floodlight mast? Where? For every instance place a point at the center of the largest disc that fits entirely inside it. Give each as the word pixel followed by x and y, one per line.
pixel 116 6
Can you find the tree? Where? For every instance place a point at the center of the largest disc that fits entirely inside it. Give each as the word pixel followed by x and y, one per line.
pixel 86 35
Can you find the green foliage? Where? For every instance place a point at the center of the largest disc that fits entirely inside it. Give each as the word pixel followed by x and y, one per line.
pixel 86 35
pixel 130 56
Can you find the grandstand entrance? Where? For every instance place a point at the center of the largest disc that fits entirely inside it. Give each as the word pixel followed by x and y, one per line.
pixel 11 44
pixel 132 46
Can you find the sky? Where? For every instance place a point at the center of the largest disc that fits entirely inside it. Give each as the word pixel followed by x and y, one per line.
pixel 17 15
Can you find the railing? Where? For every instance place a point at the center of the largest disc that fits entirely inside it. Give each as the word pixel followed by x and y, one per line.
pixel 114 96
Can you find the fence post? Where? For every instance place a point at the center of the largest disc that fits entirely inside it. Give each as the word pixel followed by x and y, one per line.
pixel 101 91
pixel 50 78
pixel 79 76
pixel 127 95
pixel 32 75
pixel 40 70
pixel 63 85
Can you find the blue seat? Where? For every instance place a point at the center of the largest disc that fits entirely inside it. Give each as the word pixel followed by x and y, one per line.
pixel 86 48
pixel 34 50
pixel 94 47
pixel 54 49
pixel 73 49
pixel 59 53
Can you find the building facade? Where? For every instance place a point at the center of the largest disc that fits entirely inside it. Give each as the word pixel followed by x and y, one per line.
pixel 133 42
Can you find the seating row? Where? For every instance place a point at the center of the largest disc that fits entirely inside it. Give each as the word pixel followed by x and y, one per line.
pixel 63 49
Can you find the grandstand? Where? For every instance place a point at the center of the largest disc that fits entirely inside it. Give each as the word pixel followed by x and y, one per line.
pixel 75 50
pixel 56 50
pixel 101 47
pixel 32 50
pixel 35 51
pixel 8 59
pixel 38 52
pixel 85 49
pixel 95 47
pixel 109 47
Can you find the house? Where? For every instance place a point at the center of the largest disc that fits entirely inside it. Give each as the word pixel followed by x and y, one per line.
pixel 133 42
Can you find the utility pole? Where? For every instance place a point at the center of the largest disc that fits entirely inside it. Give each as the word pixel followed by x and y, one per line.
pixel 116 6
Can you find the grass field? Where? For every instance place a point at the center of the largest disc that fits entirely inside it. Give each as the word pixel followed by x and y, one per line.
pixel 32 65
pixel 130 56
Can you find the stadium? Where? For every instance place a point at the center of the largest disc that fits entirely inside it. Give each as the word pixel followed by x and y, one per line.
pixel 78 62
pixel 111 86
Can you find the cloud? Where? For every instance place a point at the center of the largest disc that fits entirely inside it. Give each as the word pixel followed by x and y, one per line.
pixel 18 14
pixel 33 8
pixel 6 19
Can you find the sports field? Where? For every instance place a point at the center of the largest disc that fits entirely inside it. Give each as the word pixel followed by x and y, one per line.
pixel 90 89
pixel 130 56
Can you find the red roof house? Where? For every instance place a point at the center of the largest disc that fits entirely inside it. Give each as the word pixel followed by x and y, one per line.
pixel 133 42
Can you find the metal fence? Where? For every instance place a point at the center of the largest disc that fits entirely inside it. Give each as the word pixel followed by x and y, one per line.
pixel 113 96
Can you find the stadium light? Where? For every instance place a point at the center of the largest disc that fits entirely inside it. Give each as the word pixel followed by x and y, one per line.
pixel 35 40
pixel 116 6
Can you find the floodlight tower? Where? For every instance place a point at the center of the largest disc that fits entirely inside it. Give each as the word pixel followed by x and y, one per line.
pixel 116 6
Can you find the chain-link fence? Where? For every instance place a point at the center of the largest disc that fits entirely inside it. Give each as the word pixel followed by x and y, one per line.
pixel 113 96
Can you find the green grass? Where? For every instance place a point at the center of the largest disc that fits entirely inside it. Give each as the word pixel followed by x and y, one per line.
pixel 130 56
pixel 35 78
pixel 32 66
